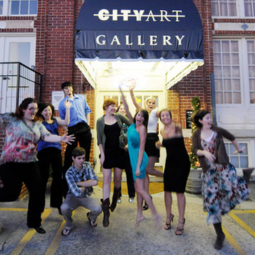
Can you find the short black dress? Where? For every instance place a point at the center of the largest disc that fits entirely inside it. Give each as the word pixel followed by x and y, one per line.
pixel 114 155
pixel 177 165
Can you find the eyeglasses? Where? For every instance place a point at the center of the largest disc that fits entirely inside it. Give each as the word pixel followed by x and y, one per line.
pixel 32 109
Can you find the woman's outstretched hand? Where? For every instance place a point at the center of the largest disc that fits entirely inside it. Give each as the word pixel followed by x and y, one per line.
pixel 239 151
pixel 67 139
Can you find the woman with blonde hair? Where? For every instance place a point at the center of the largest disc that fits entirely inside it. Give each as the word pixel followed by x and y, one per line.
pixel 111 155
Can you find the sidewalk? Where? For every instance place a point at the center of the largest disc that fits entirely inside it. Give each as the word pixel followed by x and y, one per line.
pixel 121 237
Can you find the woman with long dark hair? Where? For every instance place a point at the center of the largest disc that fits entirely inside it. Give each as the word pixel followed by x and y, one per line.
pixel 222 190
pixel 20 161
pixel 50 153
pixel 136 136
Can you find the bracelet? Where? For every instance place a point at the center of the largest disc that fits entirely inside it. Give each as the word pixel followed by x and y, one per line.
pixel 240 151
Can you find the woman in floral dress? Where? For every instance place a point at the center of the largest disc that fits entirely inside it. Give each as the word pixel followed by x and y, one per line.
pixel 222 190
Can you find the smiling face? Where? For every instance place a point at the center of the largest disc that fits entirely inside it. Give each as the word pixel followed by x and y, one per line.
pixel 78 161
pixel 68 91
pixel 165 117
pixel 47 113
pixel 30 112
pixel 139 119
pixel 122 110
pixel 206 122
pixel 150 104
pixel 111 108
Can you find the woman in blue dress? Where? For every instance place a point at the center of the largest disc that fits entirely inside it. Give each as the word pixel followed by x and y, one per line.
pixel 136 136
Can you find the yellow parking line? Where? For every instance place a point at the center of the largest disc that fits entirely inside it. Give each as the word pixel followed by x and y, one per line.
pixel 14 209
pixel 56 240
pixel 28 236
pixel 234 243
pixel 242 223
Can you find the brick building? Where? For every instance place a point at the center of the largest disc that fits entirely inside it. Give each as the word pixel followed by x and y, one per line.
pixel 41 34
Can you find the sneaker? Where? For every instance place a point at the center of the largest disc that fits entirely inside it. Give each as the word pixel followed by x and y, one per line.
pixel 119 200
pixel 131 199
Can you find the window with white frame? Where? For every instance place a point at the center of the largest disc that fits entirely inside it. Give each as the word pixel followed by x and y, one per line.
pixel 239 160
pixel 1 7
pixel 224 8
pixel 23 7
pixel 251 69
pixel 227 71
pixel 233 8
pixel 249 8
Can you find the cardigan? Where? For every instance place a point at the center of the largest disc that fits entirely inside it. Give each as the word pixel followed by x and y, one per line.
pixel 220 150
pixel 101 138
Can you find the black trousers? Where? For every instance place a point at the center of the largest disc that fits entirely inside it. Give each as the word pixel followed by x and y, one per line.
pixel 12 175
pixel 84 138
pixel 51 156
pixel 129 175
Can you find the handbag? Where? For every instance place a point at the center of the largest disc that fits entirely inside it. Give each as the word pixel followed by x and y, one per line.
pixel 123 136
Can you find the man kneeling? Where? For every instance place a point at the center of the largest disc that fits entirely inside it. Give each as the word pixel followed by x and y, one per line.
pixel 80 178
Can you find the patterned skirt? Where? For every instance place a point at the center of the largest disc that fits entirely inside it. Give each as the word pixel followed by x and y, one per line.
pixel 222 190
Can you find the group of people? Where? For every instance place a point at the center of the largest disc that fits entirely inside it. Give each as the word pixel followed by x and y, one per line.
pixel 137 154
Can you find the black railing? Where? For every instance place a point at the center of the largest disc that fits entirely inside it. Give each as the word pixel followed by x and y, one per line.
pixel 17 81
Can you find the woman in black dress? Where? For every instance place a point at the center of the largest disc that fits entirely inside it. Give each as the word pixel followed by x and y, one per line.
pixel 111 155
pixel 177 168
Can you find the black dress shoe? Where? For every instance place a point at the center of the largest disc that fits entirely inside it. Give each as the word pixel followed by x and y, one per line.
pixel 40 230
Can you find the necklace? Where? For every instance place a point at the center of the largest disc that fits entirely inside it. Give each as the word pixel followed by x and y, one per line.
pixel 166 131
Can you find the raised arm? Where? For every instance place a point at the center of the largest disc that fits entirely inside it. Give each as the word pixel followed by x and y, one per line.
pixel 131 90
pixel 126 106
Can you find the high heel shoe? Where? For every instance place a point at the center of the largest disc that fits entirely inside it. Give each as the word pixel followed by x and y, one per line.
pixel 168 225
pixel 179 231
pixel 146 207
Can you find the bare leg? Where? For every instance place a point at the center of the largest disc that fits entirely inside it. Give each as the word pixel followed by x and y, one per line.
pixel 139 185
pixel 150 168
pixel 181 205
pixel 168 205
pixel 106 183
pixel 181 208
pixel 139 216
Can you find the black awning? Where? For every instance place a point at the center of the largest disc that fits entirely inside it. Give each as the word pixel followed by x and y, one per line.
pixel 139 29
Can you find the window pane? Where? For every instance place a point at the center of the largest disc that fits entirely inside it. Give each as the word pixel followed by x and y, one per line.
pixel 228 98
pixel 217 72
pixel 236 85
pixel 217 59
pixel 219 97
pixel 223 9
pixel 249 8
pixel 237 97
pixel 226 71
pixel 225 46
pixel 33 7
pixel 227 85
pixel 235 71
pixel 252 97
pixel 234 161
pixel 15 7
pixel 251 58
pixel 1 7
pixel 215 11
pixel 252 84
pixel 216 46
pixel 234 46
pixel 218 84
pixel 252 71
pixel 232 9
pixel 24 7
pixel 235 59
pixel 20 52
pixel 226 59
pixel 250 46
pixel 243 162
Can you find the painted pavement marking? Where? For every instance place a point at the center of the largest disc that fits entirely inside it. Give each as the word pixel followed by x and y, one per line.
pixel 28 236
